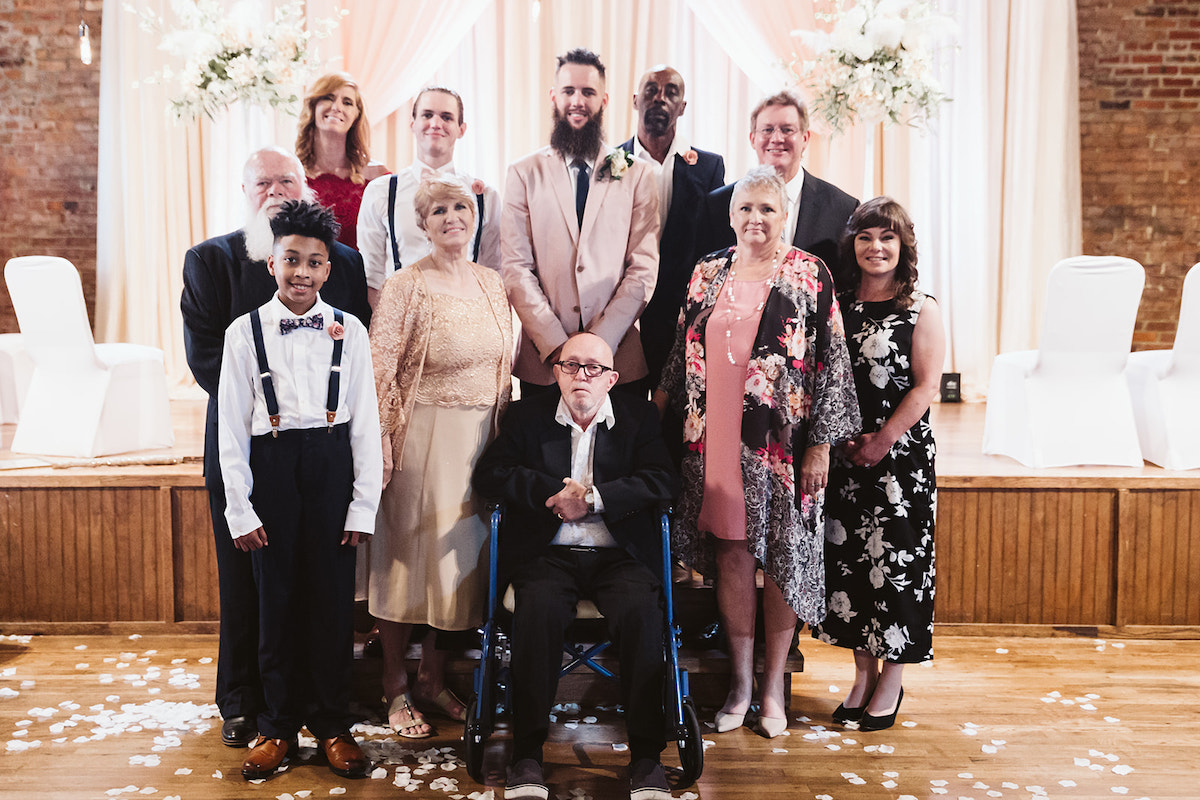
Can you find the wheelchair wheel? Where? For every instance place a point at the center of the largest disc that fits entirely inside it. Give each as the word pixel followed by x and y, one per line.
pixel 475 737
pixel 691 747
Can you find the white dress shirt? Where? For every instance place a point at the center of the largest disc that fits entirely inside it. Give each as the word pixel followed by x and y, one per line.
pixel 299 364
pixel 666 173
pixel 374 239
pixel 793 214
pixel 590 530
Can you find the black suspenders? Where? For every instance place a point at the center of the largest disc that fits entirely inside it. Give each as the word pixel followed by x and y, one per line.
pixel 392 224
pixel 264 373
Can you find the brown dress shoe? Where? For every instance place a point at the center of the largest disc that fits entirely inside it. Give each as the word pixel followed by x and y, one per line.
pixel 266 756
pixel 345 756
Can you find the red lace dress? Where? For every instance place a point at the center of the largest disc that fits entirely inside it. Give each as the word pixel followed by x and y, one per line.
pixel 344 196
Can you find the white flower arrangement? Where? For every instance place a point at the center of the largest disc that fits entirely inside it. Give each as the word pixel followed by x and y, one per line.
pixel 615 164
pixel 875 64
pixel 230 55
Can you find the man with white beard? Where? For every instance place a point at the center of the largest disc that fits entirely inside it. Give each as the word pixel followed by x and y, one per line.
pixel 223 278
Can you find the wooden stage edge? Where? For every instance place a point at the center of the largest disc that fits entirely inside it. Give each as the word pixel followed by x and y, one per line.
pixel 1104 552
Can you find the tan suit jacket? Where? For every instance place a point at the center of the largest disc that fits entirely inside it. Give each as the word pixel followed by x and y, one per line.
pixel 560 278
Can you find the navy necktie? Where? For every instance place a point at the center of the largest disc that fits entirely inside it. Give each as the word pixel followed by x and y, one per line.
pixel 581 189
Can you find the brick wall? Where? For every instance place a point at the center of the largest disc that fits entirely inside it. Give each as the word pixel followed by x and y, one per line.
pixel 1139 96
pixel 49 117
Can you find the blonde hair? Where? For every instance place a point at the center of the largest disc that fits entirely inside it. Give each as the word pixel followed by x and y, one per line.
pixel 437 188
pixel 358 138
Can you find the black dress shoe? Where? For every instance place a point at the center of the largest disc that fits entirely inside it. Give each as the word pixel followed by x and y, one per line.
pixel 238 731
pixel 842 715
pixel 872 723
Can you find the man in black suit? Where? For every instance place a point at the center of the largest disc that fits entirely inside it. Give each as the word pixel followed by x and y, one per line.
pixel 686 176
pixel 223 278
pixel 582 474
pixel 817 211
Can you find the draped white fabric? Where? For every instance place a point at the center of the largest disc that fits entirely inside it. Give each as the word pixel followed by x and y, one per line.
pixel 993 185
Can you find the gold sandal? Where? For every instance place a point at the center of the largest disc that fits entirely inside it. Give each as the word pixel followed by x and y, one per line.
pixel 402 703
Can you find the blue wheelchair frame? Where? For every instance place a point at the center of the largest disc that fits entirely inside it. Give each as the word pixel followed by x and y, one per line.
pixel 483 707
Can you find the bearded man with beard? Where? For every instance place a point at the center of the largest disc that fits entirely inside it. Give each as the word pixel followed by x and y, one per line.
pixel 224 278
pixel 579 235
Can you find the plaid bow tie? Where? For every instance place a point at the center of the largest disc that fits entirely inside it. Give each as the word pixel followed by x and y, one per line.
pixel 286 326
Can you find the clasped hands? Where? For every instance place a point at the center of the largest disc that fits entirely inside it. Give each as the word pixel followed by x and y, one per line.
pixel 569 504
pixel 866 449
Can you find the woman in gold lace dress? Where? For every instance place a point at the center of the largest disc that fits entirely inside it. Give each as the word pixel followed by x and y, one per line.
pixel 441 342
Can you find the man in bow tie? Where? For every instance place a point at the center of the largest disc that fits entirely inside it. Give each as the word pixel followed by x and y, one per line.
pixel 224 278
pixel 579 234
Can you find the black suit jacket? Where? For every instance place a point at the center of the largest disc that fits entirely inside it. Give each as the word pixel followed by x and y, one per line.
pixel 690 184
pixel 531 455
pixel 824 210
pixel 220 284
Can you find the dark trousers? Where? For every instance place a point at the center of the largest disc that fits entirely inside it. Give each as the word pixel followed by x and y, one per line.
pixel 630 598
pixel 239 687
pixel 303 484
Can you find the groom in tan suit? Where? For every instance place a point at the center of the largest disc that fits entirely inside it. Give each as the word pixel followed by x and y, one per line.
pixel 579 234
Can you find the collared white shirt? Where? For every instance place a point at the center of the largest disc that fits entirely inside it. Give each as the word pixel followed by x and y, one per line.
pixel 375 241
pixel 590 531
pixel 793 214
pixel 300 364
pixel 574 171
pixel 666 173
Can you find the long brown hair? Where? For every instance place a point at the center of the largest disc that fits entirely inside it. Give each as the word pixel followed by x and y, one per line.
pixel 886 213
pixel 358 138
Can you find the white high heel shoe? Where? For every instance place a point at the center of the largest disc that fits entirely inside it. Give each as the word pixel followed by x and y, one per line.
pixel 724 722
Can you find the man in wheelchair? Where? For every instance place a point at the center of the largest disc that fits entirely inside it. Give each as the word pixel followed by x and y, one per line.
pixel 583 475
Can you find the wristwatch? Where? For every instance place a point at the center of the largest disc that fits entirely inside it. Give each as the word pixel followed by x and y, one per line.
pixel 589 497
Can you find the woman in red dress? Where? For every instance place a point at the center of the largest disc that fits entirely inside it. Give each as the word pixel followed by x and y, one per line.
pixel 333 145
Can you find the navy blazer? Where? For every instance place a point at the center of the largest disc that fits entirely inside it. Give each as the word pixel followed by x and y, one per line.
pixel 220 284
pixel 824 211
pixel 526 463
pixel 690 185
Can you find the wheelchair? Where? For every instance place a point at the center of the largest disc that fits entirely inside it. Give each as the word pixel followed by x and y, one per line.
pixel 491 697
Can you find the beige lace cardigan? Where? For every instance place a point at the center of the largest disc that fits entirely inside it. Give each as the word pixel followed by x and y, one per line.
pixel 400 331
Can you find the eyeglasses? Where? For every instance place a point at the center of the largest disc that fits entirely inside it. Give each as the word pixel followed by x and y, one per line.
pixel 786 131
pixel 591 370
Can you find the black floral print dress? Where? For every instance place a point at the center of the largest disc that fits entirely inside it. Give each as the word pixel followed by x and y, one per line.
pixel 879 520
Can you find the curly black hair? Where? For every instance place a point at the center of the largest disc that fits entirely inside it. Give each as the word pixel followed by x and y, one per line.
pixel 306 218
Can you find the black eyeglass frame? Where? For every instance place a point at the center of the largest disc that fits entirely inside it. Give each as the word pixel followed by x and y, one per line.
pixel 590 370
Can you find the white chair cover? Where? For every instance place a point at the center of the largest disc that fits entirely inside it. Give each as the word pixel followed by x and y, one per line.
pixel 1067 402
pixel 16 369
pixel 85 400
pixel 1165 385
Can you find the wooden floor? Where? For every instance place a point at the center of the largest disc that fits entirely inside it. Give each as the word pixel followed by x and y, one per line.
pixel 114 716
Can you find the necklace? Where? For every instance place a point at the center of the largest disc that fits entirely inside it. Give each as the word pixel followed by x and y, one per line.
pixel 735 318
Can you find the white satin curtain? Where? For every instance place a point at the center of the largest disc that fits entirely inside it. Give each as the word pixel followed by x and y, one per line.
pixel 993 185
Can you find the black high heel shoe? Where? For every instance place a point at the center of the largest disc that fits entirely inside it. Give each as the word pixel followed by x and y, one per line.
pixel 842 715
pixel 873 723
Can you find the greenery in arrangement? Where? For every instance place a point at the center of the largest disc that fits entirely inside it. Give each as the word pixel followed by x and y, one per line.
pixel 875 64
pixel 231 55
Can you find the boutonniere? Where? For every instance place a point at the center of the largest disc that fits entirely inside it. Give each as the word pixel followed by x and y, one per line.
pixel 477 186
pixel 336 331
pixel 615 164
pixel 691 157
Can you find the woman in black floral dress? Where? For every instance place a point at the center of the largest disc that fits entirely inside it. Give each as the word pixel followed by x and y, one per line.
pixel 882 495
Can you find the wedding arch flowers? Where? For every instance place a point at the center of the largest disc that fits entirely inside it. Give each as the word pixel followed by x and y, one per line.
pixel 231 55
pixel 876 64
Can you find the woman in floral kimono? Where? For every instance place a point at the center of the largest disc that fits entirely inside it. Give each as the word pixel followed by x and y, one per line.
pixel 882 496
pixel 761 375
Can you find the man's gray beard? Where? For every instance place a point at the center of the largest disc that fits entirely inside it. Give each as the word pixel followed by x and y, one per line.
pixel 259 239
pixel 583 143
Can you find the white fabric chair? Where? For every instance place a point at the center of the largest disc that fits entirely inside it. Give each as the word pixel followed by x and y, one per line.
pixel 1067 402
pixel 1165 385
pixel 16 368
pixel 85 399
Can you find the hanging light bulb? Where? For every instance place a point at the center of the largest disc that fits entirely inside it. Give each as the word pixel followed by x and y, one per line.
pixel 85 43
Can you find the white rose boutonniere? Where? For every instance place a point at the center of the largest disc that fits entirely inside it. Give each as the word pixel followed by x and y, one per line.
pixel 615 165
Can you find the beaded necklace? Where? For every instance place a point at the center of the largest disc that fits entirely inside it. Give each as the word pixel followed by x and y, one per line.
pixel 735 318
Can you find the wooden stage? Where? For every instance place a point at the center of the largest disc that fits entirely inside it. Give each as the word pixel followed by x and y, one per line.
pixel 1108 551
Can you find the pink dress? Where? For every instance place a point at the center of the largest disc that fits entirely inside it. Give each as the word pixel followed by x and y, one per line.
pixel 723 507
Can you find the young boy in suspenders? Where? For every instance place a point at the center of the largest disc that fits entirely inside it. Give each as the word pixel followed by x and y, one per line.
pixel 298 429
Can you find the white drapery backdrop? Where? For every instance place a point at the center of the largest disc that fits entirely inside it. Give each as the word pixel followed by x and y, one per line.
pixel 993 185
